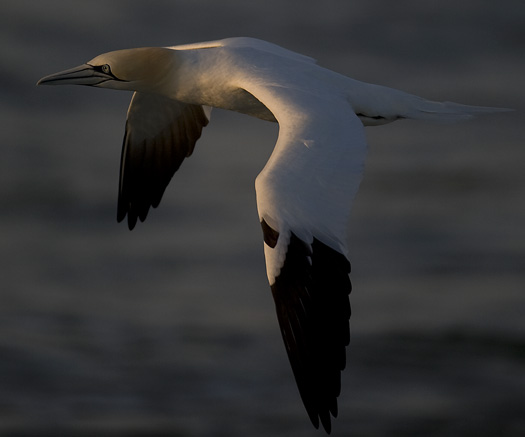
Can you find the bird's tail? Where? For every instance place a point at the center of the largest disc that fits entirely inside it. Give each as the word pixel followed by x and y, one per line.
pixel 375 104
pixel 446 112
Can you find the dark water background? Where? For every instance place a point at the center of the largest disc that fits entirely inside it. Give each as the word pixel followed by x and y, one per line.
pixel 170 330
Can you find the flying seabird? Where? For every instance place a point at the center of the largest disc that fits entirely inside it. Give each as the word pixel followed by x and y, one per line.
pixel 305 191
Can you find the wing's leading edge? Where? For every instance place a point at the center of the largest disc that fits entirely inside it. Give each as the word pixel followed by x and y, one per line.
pixel 304 196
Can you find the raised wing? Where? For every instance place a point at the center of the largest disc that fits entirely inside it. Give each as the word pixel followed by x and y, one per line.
pixel 160 133
pixel 304 195
pixel 252 43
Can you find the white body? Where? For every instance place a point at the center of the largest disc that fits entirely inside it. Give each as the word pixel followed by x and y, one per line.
pixel 305 191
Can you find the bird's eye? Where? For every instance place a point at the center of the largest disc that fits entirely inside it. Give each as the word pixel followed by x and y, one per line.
pixel 105 69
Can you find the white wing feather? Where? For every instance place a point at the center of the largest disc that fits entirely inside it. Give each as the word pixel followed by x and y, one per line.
pixel 304 196
pixel 308 185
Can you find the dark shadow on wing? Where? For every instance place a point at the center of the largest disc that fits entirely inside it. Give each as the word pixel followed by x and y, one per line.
pixel 160 133
pixel 313 308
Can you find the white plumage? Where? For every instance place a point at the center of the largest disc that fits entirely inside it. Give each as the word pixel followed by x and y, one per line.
pixel 305 191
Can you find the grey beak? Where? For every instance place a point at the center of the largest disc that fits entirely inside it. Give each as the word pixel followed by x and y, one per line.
pixel 84 74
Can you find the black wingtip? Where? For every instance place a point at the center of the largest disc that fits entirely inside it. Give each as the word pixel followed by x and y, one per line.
pixel 132 221
pixel 311 294
pixel 325 420
pixel 321 418
pixel 121 210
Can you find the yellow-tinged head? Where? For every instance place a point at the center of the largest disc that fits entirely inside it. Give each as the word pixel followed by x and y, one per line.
pixel 141 69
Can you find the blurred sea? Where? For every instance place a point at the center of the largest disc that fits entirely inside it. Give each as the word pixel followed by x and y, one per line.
pixel 170 330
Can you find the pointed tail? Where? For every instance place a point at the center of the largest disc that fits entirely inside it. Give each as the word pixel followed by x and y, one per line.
pixel 446 112
pixel 376 104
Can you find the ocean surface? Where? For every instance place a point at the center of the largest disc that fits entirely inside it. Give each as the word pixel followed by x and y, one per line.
pixel 170 330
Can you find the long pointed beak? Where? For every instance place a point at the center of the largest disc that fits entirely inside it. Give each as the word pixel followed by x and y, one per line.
pixel 84 74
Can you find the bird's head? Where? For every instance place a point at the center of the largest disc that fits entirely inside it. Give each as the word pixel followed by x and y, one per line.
pixel 141 69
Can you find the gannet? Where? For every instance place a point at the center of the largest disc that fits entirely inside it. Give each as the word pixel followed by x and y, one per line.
pixel 304 192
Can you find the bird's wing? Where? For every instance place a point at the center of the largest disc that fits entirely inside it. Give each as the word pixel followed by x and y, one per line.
pixel 253 43
pixel 160 133
pixel 304 195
